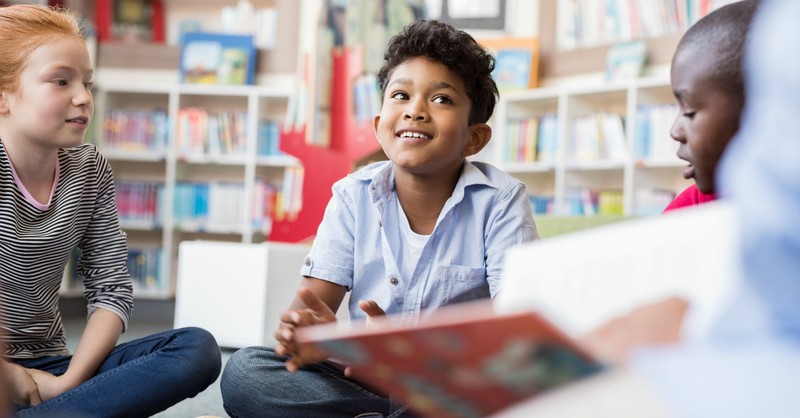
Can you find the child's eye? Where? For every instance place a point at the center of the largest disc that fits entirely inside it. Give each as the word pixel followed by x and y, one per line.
pixel 442 100
pixel 399 95
pixel 60 83
pixel 88 84
pixel 689 115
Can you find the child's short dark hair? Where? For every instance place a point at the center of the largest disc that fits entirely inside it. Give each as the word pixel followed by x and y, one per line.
pixel 722 35
pixel 456 50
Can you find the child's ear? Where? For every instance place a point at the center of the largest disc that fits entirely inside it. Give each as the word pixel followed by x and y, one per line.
pixel 375 123
pixel 3 103
pixel 479 136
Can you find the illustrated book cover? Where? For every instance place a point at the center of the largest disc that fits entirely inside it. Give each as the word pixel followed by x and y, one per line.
pixel 460 361
pixel 210 58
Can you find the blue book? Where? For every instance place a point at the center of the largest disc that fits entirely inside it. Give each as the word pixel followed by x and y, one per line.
pixel 212 58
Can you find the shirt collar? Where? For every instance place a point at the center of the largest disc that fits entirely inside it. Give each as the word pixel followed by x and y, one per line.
pixel 381 179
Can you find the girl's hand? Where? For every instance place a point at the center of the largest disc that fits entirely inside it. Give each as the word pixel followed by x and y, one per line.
pixel 49 385
pixel 21 386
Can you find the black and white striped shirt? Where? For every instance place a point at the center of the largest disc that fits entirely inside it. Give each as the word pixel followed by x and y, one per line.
pixel 35 244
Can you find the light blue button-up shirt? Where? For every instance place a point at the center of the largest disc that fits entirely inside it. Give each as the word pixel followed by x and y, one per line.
pixel 358 244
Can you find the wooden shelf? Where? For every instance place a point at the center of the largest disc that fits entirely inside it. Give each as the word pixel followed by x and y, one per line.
pixel 167 57
pixel 281 59
pixel 554 63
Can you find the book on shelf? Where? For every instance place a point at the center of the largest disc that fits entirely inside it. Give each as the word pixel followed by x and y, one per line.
pixel 366 98
pixel 582 201
pixel 522 137
pixel 651 139
pixel 548 138
pixel 625 60
pixel 587 23
pixel 542 205
pixel 598 137
pixel 462 361
pixel 136 130
pixel 139 203
pixel 129 20
pixel 201 133
pixel 213 58
pixel 269 138
pixel 144 267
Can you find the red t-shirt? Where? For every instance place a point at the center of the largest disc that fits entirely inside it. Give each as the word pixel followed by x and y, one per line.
pixel 690 197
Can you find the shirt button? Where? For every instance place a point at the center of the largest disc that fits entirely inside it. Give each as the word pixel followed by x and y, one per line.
pixel 307 261
pixel 394 280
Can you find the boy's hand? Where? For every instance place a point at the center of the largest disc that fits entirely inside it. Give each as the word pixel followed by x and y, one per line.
pixel 22 388
pixel 375 314
pixel 315 312
pixel 653 324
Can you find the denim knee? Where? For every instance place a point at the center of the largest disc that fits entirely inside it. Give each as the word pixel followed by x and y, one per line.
pixel 202 352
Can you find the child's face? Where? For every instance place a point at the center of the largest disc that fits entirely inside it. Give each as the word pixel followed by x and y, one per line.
pixel 424 125
pixel 53 103
pixel 708 117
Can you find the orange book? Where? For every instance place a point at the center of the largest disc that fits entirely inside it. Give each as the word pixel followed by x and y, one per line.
pixel 459 361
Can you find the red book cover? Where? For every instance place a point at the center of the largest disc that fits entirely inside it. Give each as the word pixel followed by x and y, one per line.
pixel 460 361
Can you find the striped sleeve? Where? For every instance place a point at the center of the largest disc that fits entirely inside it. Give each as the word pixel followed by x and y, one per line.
pixel 104 252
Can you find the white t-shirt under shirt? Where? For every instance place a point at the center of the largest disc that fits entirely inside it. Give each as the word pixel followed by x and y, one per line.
pixel 412 245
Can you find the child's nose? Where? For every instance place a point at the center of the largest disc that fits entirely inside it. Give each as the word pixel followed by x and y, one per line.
pixel 676 131
pixel 415 112
pixel 82 97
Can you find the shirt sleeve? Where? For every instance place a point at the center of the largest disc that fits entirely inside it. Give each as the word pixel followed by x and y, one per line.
pixel 511 225
pixel 331 255
pixel 104 253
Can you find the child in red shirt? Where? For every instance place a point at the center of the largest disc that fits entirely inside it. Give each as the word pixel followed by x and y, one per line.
pixel 707 82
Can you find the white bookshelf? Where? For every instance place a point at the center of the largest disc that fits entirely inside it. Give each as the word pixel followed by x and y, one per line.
pixel 170 166
pixel 631 175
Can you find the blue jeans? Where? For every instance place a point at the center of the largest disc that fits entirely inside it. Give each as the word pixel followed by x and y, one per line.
pixel 255 383
pixel 137 379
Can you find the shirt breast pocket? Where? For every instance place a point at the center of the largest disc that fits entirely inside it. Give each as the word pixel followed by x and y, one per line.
pixel 462 284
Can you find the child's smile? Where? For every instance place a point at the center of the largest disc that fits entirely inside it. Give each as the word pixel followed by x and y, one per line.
pixel 412 137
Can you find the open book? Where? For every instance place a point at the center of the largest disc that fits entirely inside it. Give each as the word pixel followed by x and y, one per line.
pixel 474 359
pixel 463 361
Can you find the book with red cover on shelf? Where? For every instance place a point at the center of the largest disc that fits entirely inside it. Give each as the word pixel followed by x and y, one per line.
pixel 459 361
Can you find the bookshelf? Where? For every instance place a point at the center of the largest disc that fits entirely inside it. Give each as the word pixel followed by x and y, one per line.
pixel 175 184
pixel 566 169
pixel 585 146
pixel 565 54
pixel 176 181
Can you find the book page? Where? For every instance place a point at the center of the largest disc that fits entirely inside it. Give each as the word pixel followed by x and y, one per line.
pixel 581 280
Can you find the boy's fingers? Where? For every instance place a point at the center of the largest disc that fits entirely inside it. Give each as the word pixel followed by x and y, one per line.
pixel 311 300
pixel 371 308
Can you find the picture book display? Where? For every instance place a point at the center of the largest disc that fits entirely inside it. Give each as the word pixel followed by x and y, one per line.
pixel 625 60
pixel 209 58
pixel 461 361
pixel 517 62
